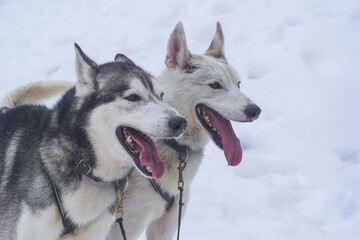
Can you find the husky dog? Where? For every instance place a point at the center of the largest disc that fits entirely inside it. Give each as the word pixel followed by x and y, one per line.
pixel 60 168
pixel 204 89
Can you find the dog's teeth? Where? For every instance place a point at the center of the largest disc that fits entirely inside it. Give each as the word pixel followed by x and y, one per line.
pixel 137 152
pixel 207 120
pixel 128 139
pixel 148 169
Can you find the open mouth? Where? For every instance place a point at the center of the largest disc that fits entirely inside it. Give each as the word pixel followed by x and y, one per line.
pixel 143 151
pixel 221 132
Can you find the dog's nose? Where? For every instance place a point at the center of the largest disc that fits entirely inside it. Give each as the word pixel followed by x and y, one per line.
pixel 252 111
pixel 178 124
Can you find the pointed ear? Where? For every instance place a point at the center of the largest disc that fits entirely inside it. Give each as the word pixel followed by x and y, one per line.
pixel 86 71
pixel 122 58
pixel 216 48
pixel 177 51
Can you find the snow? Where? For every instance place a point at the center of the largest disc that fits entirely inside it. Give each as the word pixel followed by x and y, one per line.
pixel 298 60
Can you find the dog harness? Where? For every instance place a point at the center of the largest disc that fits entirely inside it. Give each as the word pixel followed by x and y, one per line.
pixel 83 169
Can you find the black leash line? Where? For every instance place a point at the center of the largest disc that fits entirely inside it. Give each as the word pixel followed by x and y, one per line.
pixel 182 165
pixel 120 222
pixel 119 215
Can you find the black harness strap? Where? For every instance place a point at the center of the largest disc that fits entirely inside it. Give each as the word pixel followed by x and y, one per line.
pixel 82 168
pixel 68 225
pixel 165 195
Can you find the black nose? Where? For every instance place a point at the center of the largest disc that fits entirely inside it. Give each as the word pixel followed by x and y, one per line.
pixel 252 111
pixel 178 124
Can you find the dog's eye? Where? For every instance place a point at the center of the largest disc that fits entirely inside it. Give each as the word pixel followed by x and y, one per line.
pixel 215 85
pixel 238 84
pixel 133 98
pixel 162 96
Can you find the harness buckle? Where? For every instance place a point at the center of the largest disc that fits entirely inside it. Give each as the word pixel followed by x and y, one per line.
pixel 83 164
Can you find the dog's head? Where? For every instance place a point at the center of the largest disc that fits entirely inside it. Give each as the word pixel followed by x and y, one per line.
pixel 125 110
pixel 206 90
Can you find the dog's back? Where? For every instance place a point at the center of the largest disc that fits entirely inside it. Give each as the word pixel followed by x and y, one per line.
pixel 21 172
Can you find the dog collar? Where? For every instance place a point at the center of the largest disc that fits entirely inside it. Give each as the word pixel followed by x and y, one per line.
pixel 177 146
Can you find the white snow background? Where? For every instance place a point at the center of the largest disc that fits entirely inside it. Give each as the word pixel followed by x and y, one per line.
pixel 298 60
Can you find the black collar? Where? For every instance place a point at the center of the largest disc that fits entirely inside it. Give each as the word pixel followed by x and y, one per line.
pixel 177 146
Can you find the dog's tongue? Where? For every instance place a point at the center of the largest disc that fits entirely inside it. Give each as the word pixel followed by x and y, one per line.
pixel 149 155
pixel 231 144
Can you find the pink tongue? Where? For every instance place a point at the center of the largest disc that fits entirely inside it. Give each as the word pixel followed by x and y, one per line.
pixel 149 156
pixel 231 143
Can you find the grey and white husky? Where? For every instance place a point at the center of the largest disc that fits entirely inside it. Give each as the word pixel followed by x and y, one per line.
pixel 60 168
pixel 205 89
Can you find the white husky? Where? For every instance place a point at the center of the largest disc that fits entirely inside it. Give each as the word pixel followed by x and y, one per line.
pixel 204 89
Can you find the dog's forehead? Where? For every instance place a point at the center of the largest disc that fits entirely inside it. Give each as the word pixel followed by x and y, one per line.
pixel 145 85
pixel 114 74
pixel 216 68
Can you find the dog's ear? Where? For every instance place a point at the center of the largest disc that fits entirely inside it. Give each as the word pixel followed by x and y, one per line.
pixel 122 58
pixel 86 71
pixel 216 48
pixel 177 51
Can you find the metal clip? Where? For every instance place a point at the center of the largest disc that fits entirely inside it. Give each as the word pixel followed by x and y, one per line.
pixel 181 168
pixel 182 165
pixel 85 164
pixel 121 196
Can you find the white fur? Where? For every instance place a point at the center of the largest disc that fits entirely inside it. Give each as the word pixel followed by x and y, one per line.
pixel 89 201
pixel 43 225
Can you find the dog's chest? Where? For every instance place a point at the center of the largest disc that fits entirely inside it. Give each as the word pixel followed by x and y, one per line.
pixel 89 201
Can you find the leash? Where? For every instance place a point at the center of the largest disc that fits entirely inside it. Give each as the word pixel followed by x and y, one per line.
pixel 182 165
pixel 119 215
pixel 183 151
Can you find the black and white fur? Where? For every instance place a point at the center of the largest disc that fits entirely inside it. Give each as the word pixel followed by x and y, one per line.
pixel 39 146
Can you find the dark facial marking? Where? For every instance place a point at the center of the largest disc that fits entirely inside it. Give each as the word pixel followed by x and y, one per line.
pixel 190 68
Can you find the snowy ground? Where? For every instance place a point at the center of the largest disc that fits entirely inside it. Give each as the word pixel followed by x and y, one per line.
pixel 299 61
